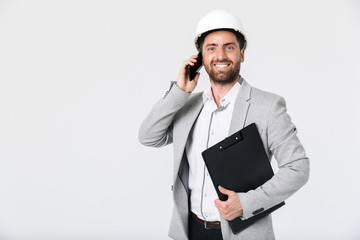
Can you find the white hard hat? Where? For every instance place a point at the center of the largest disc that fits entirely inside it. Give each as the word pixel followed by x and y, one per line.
pixel 218 19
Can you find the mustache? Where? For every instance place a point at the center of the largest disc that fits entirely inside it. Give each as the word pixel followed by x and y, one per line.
pixel 221 61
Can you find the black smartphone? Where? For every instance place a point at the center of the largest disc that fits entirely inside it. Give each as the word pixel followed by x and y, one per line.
pixel 196 68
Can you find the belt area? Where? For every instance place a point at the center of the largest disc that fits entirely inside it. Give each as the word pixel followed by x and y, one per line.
pixel 207 225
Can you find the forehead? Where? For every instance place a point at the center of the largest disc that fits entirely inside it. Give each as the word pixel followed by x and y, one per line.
pixel 220 37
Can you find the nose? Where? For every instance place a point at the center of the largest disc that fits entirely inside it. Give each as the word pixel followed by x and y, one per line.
pixel 220 54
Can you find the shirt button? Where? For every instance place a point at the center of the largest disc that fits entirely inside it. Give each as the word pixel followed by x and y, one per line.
pixel 212 132
pixel 205 195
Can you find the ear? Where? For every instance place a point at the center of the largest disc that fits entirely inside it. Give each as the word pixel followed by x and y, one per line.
pixel 242 55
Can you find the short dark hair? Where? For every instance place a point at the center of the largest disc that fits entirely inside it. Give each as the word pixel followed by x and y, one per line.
pixel 240 37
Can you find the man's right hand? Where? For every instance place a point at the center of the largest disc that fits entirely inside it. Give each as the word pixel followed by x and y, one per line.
pixel 183 81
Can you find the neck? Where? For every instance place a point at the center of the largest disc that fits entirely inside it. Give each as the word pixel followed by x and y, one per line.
pixel 220 90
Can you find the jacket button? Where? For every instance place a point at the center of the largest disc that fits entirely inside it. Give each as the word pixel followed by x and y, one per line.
pixel 258 211
pixel 172 187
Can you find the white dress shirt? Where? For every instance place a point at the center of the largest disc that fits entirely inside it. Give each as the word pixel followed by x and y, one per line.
pixel 211 127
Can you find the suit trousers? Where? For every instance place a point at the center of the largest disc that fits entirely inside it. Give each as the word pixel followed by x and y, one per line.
pixel 197 231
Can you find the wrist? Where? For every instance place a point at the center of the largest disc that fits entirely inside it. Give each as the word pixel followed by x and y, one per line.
pixel 181 87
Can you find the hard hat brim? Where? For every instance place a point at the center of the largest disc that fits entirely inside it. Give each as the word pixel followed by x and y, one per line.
pixel 201 37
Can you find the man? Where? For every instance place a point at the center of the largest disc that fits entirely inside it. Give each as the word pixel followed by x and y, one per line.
pixel 194 122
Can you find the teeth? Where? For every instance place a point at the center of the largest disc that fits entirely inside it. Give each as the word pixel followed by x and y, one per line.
pixel 221 66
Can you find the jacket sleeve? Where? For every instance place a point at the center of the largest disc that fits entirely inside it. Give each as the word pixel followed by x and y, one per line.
pixel 293 164
pixel 156 129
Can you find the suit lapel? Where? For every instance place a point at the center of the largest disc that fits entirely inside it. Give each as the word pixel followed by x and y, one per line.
pixel 241 107
pixel 185 128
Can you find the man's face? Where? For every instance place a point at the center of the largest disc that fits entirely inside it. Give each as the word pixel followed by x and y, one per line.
pixel 222 57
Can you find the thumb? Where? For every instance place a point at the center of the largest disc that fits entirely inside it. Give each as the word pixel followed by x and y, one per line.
pixel 223 190
pixel 196 76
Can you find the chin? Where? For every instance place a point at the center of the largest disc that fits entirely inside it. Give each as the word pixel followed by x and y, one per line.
pixel 224 79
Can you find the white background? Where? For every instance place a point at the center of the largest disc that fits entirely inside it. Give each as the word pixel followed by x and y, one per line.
pixel 78 77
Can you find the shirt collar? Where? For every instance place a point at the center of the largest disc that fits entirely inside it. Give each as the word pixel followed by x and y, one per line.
pixel 228 98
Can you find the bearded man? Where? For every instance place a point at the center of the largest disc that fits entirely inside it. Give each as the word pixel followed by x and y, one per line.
pixel 194 122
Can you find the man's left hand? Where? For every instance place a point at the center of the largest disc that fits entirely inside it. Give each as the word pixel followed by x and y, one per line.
pixel 231 208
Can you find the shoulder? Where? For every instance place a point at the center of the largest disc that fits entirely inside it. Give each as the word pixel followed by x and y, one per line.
pixel 264 104
pixel 263 97
pixel 256 96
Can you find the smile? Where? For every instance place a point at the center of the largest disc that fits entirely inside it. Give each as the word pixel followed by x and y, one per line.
pixel 222 66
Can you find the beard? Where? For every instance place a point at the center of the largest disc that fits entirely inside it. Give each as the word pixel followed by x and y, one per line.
pixel 223 77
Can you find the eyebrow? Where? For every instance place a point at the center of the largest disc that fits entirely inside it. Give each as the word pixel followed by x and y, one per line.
pixel 214 44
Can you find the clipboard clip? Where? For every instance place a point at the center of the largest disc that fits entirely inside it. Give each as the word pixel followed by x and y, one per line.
pixel 229 141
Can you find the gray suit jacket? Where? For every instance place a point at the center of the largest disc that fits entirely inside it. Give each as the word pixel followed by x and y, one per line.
pixel 171 120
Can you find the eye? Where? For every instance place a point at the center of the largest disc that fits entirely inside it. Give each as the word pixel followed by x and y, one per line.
pixel 229 48
pixel 211 49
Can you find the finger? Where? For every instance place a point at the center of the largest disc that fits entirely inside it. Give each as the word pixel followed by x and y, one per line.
pixel 223 214
pixel 196 77
pixel 192 58
pixel 189 63
pixel 219 205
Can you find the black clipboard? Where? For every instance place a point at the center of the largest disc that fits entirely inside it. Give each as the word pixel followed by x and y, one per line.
pixel 239 163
